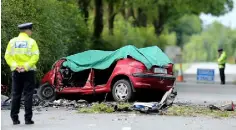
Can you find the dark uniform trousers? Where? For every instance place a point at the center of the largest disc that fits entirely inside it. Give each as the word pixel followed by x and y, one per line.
pixel 22 82
pixel 222 74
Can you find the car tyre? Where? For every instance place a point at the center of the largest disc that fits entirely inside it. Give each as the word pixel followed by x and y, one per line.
pixel 46 93
pixel 122 91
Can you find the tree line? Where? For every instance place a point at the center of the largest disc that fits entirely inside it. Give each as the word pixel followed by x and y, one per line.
pixel 65 27
pixel 206 44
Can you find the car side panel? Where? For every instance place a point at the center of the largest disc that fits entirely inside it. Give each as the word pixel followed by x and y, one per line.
pixel 121 68
pixel 125 67
pixel 48 78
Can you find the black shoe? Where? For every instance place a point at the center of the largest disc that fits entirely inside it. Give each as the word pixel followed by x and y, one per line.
pixel 16 122
pixel 30 122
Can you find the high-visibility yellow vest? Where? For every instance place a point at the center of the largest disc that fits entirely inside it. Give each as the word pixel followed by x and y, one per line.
pixel 22 51
pixel 222 60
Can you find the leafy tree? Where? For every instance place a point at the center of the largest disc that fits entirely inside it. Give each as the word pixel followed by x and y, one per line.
pixel 98 20
pixel 125 33
pixel 84 7
pixel 185 27
pixel 162 12
pixel 205 45
pixel 114 7
pixel 58 29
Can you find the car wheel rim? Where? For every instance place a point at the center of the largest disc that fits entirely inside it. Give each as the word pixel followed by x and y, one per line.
pixel 48 92
pixel 121 91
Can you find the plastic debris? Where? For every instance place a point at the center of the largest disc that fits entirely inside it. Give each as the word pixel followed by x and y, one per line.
pixel 166 101
pixel 146 107
pixel 226 107
pixel 5 102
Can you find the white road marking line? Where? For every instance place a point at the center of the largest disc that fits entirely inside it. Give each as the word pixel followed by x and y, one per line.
pixel 92 125
pixel 126 128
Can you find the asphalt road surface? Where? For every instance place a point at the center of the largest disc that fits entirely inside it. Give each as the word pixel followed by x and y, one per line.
pixel 60 119
pixel 205 93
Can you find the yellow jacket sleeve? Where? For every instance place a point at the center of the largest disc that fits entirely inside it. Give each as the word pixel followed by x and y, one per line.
pixel 34 57
pixel 222 58
pixel 9 57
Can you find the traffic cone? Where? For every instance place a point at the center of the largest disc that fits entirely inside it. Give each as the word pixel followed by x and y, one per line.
pixel 180 77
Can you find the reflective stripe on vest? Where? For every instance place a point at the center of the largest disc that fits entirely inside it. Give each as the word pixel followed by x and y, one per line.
pixel 27 51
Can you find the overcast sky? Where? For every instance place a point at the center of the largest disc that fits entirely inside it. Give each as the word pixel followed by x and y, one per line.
pixel 228 19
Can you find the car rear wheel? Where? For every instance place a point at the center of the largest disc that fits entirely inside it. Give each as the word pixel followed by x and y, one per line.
pixel 46 93
pixel 122 91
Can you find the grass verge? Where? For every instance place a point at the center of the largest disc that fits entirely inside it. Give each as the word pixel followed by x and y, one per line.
pixel 198 111
pixel 172 111
pixel 234 82
pixel 104 108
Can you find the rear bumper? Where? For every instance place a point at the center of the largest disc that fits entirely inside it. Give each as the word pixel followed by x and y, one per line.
pixel 153 81
pixel 159 76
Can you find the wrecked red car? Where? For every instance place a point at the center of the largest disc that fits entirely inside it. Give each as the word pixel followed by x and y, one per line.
pixel 122 73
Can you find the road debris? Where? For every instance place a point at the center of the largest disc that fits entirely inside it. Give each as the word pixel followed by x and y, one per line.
pixel 165 107
pixel 65 103
pixel 82 106
pixel 166 101
pixel 106 107
pixel 146 107
pixel 5 102
pixel 226 107
pixel 109 107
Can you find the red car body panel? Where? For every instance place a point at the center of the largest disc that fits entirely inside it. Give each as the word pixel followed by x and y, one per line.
pixel 130 68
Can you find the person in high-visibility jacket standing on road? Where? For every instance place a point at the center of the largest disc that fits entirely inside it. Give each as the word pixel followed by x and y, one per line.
pixel 22 55
pixel 221 63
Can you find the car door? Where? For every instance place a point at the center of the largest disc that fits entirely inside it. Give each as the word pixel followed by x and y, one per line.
pixel 86 88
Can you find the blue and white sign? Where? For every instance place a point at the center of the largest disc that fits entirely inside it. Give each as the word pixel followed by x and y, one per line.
pixel 207 75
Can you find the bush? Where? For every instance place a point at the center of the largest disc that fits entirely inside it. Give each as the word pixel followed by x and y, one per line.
pixel 59 30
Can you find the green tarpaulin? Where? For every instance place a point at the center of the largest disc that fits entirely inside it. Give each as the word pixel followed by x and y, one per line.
pixel 99 59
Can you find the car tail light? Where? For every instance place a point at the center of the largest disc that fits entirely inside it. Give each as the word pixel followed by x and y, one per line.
pixel 139 70
pixel 138 67
pixel 170 69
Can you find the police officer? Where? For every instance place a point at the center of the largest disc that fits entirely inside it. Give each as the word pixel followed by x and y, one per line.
pixel 21 55
pixel 221 63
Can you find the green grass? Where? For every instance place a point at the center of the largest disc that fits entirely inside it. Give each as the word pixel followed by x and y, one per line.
pixel 197 111
pixel 172 111
pixel 124 105
pixel 234 82
pixel 103 108
pixel 97 108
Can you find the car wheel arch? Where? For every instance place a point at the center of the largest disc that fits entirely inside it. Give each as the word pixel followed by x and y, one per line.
pixel 43 86
pixel 122 76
